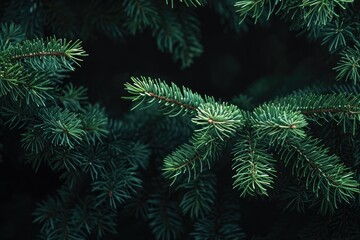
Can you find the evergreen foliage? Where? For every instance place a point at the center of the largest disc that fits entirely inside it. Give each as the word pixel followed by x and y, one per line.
pixel 175 32
pixel 181 164
pixel 278 127
pixel 332 22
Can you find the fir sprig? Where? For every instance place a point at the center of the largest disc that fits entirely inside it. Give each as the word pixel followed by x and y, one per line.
pixel 49 54
pixel 280 125
pixel 175 100
pixel 254 166
pixel 348 67
pixel 323 173
pixel 338 107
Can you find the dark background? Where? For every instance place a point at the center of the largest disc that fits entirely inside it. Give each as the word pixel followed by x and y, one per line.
pixel 263 62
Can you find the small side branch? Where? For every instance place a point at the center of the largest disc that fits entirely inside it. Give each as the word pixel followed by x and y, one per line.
pixel 314 166
pixel 39 54
pixel 187 106
pixel 330 110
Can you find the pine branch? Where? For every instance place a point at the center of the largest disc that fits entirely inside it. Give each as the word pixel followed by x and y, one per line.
pixel 29 68
pixel 61 127
pixel 91 159
pixel 94 122
pixel 278 123
pixel 174 100
pixel 184 160
pixel 32 140
pixel 51 54
pixel 71 97
pixel 199 195
pixel 322 173
pixel 337 107
pixel 23 86
pixel 115 185
pixel 348 67
pixel 306 13
pixel 221 120
pixel 255 9
pixel 337 34
pixel 254 166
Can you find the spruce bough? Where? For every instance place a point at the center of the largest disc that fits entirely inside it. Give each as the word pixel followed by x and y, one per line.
pixel 272 132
